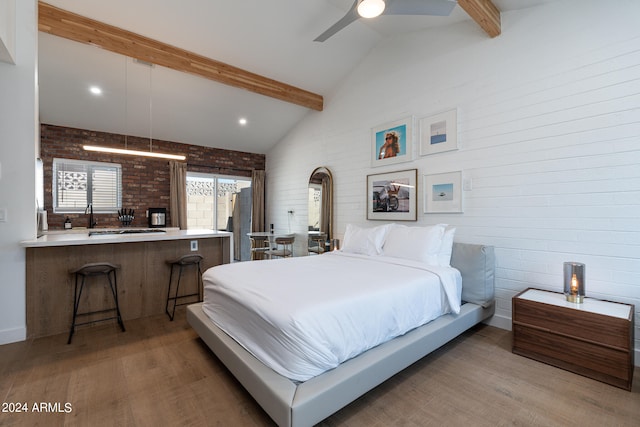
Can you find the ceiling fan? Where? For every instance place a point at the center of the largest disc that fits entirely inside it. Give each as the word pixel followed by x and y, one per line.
pixel 373 8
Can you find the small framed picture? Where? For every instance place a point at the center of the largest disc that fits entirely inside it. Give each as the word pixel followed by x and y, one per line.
pixel 392 142
pixel 443 192
pixel 392 196
pixel 439 133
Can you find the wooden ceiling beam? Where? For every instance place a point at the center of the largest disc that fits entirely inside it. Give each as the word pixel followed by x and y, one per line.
pixel 75 27
pixel 485 13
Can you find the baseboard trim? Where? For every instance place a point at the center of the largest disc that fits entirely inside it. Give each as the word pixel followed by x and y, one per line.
pixel 499 321
pixel 9 336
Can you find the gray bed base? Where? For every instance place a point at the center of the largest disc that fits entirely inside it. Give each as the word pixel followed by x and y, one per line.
pixel 304 404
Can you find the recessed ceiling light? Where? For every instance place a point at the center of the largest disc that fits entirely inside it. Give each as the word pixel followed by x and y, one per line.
pixel 95 90
pixel 242 121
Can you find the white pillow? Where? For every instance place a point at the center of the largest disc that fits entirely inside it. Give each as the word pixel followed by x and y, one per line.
pixel 414 243
pixel 365 241
pixel 444 254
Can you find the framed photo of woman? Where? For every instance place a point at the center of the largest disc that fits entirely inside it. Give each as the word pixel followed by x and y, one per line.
pixel 392 142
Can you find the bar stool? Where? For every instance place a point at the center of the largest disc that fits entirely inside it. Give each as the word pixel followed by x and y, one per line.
pixel 94 270
pixel 182 262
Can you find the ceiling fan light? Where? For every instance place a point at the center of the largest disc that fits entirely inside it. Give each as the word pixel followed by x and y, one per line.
pixel 370 8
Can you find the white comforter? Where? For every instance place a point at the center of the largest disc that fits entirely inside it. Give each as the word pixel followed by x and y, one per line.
pixel 305 315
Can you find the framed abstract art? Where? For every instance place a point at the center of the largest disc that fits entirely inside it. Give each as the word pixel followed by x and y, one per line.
pixel 439 133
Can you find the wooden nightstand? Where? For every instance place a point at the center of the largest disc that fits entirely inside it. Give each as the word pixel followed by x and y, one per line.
pixel 594 339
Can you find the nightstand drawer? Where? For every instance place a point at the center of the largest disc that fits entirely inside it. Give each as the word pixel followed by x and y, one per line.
pixel 585 358
pixel 605 330
pixel 594 339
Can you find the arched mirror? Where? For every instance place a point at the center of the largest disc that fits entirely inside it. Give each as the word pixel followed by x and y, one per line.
pixel 320 210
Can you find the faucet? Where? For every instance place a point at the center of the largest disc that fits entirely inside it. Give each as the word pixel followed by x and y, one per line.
pixel 89 210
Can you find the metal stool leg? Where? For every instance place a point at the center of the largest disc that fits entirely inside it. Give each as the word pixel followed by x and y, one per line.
pixel 166 307
pixel 200 285
pixel 175 297
pixel 175 301
pixel 114 292
pixel 76 304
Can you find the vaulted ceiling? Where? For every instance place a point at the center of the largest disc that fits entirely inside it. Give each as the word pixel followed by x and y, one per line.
pixel 215 62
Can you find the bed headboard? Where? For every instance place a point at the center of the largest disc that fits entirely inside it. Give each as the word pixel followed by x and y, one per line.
pixel 476 263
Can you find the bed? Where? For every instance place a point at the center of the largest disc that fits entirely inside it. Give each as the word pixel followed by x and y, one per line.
pixel 295 402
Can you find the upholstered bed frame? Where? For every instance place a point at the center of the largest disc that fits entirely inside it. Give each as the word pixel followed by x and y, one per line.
pixel 304 404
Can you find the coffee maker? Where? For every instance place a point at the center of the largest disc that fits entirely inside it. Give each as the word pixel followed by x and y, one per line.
pixel 157 217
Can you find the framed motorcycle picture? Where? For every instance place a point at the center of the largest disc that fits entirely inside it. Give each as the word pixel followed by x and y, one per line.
pixel 392 196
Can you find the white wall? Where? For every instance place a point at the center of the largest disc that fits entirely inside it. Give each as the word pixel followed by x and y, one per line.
pixel 549 125
pixel 8 31
pixel 18 142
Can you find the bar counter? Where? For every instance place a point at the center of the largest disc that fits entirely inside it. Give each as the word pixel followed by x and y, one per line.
pixel 143 276
pixel 97 236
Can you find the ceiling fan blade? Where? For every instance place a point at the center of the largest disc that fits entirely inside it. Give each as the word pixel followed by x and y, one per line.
pixel 352 15
pixel 420 7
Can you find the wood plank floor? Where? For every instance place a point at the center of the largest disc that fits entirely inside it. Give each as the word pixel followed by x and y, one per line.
pixel 159 373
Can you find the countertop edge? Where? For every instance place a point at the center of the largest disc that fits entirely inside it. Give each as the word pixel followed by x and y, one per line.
pixel 78 239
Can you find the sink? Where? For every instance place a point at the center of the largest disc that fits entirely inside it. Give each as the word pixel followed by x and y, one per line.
pixel 126 231
pixel 145 230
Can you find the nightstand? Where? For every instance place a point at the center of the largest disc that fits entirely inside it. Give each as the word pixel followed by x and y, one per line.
pixel 594 339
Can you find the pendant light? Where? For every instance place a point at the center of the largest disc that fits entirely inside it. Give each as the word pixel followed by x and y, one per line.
pixel 125 150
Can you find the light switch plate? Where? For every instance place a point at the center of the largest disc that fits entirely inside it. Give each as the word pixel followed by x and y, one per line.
pixel 194 245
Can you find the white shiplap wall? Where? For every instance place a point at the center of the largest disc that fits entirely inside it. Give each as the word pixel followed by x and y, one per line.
pixel 548 124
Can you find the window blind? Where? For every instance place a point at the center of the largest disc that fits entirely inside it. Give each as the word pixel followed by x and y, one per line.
pixel 79 183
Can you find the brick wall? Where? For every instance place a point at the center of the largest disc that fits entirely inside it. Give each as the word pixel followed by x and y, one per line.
pixel 145 180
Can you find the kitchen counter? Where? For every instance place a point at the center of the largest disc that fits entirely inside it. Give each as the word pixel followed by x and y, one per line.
pixel 143 276
pixel 99 236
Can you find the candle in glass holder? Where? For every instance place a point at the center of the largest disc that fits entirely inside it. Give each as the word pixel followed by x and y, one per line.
pixel 574 281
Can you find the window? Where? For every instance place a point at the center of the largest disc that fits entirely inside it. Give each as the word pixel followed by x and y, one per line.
pixel 211 199
pixel 77 183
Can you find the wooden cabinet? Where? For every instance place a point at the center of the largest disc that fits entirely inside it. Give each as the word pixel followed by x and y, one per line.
pixel 594 339
pixel 142 279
